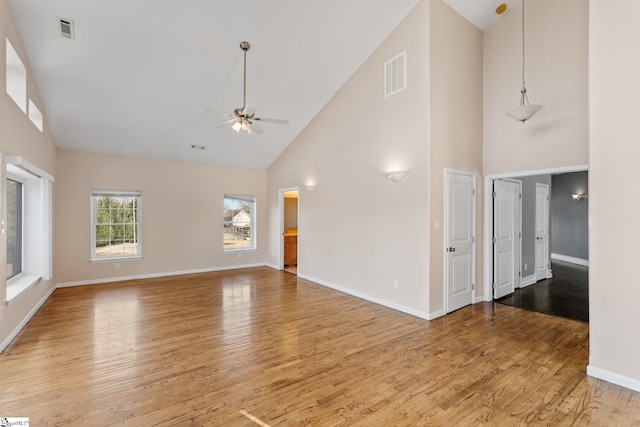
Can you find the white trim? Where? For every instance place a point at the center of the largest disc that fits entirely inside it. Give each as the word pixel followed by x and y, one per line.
pixel 613 378
pixel 24 321
pixel 570 259
pixel 281 225
pixel 398 307
pixel 528 281
pixel 488 213
pixel 478 298
pixel 275 267
pixel 20 285
pixel 154 275
pixel 24 164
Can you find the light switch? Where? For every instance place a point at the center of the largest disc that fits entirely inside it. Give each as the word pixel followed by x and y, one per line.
pixel 436 225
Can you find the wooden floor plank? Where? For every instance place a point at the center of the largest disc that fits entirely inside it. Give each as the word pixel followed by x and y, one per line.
pixel 199 349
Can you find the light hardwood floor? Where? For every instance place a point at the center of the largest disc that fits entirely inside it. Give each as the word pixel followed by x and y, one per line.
pixel 259 345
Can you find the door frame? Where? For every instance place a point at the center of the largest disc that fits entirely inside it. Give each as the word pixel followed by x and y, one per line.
pixel 448 171
pixel 488 216
pixel 281 225
pixel 547 270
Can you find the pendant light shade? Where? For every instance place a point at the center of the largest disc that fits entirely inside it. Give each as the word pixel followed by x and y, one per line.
pixel 524 111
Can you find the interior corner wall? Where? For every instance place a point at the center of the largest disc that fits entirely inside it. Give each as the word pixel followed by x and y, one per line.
pixel 556 78
pixel 455 128
pixel 359 231
pixel 182 205
pixel 614 294
pixel 19 137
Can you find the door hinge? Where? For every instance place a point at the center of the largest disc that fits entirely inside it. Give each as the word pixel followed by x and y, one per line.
pixel 473 286
pixel 493 194
pixel 519 234
pixel 473 192
pixel 520 195
pixel 547 198
pixel 493 240
pixel 473 239
pixel 493 286
pixel 519 273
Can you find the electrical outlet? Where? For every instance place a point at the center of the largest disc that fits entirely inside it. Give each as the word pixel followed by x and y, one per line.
pixel 525 266
pixel 239 254
pixel 116 266
pixel 395 283
pixel 311 263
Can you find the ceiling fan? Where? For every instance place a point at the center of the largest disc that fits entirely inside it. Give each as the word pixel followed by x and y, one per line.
pixel 243 118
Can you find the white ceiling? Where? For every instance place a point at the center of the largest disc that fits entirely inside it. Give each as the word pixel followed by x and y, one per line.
pixel 132 81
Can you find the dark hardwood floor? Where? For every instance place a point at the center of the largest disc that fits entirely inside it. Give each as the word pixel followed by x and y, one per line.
pixel 565 295
pixel 263 347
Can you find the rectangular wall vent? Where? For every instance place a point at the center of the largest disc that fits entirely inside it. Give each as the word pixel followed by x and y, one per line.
pixel 395 74
pixel 66 28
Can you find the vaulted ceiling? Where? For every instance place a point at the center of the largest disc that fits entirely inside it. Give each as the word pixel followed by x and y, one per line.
pixel 132 80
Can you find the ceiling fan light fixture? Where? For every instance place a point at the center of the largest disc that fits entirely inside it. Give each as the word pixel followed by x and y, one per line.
pixel 237 126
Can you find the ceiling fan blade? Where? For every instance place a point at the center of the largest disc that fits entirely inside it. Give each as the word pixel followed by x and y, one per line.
pixel 268 120
pixel 257 129
pixel 204 110
pixel 219 125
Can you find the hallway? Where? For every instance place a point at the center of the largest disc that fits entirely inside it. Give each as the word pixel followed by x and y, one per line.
pixel 565 295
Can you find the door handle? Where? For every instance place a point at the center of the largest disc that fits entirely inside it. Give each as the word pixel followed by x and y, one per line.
pixel 451 249
pixel 539 238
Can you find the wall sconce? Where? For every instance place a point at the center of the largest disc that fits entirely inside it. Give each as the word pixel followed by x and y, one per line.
pixel 310 187
pixel 396 176
pixel 578 197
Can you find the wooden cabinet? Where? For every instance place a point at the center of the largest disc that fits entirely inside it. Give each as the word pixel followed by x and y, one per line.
pixel 290 251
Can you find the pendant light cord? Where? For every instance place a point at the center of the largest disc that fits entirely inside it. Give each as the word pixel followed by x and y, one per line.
pixel 523 85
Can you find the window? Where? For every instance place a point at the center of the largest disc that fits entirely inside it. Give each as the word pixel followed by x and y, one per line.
pixel 14 228
pixel 239 222
pixel 16 77
pixel 116 221
pixel 35 115
pixel 28 202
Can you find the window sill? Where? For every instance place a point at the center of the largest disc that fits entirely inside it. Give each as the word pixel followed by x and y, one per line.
pixel 116 259
pixel 14 289
pixel 230 251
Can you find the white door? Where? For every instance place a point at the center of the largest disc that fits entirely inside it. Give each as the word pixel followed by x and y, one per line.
pixel 459 240
pixel 542 232
pixel 506 236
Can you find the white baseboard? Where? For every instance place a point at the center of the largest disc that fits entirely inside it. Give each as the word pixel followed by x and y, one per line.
pixel 570 259
pixel 477 299
pixel 275 267
pixel 24 321
pixel 402 308
pixel 153 275
pixel 528 281
pixel 613 378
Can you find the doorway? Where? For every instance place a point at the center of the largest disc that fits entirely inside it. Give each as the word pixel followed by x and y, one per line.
pixel 550 230
pixel 290 210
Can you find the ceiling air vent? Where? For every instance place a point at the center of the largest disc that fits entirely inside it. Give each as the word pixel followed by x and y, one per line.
pixel 395 74
pixel 66 28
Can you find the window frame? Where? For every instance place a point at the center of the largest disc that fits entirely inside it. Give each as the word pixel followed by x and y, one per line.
pixel 97 194
pixel 252 199
pixel 20 233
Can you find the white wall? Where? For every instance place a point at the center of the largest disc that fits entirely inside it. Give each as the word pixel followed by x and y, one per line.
pixel 614 293
pixel 455 108
pixel 182 206
pixel 556 76
pixel 19 137
pixel 358 230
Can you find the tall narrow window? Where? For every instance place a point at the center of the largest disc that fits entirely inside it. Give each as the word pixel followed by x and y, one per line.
pixel 16 77
pixel 14 228
pixel 238 219
pixel 116 218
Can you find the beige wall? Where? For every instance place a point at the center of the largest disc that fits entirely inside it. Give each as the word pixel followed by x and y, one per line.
pixel 556 76
pixel 614 294
pixel 19 137
pixel 456 127
pixel 358 230
pixel 182 206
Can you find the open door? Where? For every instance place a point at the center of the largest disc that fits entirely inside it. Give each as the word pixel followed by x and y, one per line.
pixel 506 237
pixel 459 239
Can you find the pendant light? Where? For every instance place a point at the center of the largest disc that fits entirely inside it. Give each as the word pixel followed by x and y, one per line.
pixel 525 111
